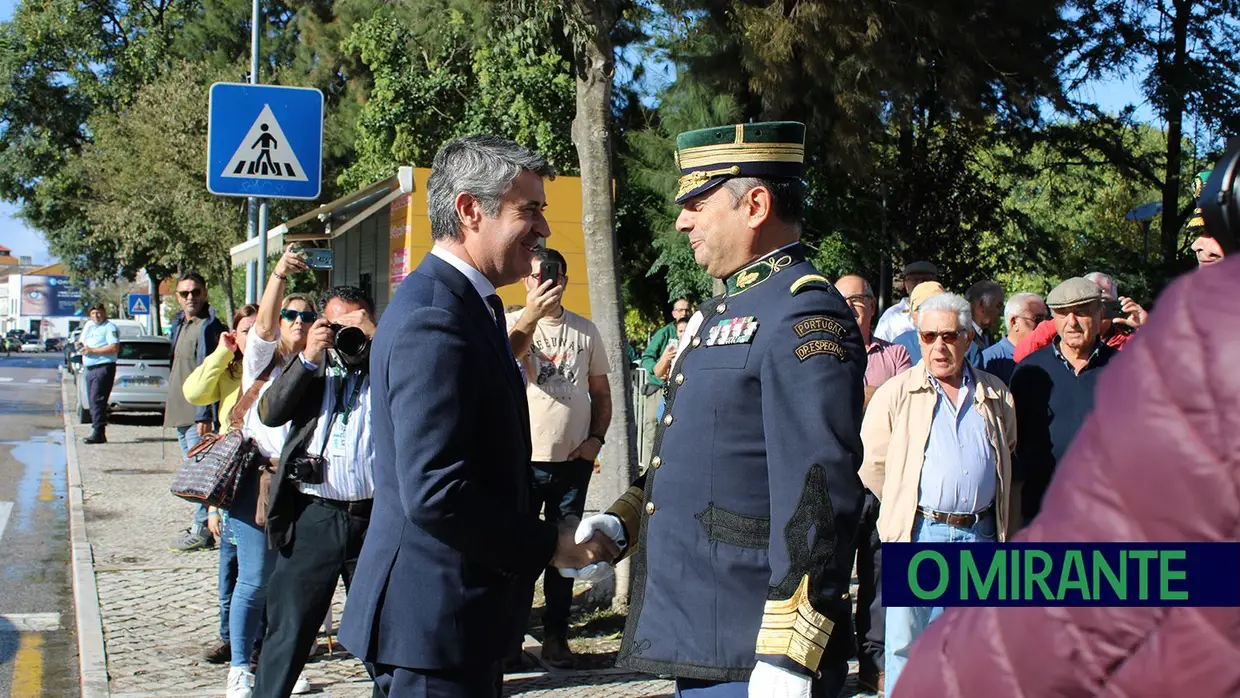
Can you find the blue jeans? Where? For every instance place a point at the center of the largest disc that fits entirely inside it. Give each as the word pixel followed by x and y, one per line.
pixel 188 438
pixel 228 576
pixel 904 625
pixel 254 563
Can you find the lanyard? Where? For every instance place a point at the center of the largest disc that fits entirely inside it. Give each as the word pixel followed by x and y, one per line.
pixel 348 408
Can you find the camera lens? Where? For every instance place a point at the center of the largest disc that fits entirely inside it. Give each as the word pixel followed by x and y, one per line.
pixel 351 341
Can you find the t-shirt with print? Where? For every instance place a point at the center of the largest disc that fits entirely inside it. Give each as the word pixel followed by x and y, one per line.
pixel 564 353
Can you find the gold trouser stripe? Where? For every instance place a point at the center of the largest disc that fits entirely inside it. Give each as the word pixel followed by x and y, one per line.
pixel 792 628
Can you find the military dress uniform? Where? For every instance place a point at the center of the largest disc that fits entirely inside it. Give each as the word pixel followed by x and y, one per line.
pixel 742 526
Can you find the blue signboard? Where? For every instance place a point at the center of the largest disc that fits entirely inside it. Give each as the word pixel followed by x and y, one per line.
pixel 265 141
pixel 139 304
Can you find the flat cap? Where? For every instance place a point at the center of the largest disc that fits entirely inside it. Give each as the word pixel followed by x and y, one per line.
pixel 920 268
pixel 924 292
pixel 1074 291
pixel 709 157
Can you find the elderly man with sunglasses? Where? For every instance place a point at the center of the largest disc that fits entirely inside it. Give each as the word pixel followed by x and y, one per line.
pixel 195 333
pixel 938 442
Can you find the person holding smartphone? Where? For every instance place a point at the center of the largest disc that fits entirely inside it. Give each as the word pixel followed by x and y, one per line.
pixel 565 365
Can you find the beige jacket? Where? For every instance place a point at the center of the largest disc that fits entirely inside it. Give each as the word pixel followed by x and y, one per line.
pixel 894 433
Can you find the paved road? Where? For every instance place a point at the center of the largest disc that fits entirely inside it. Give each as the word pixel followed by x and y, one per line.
pixel 38 648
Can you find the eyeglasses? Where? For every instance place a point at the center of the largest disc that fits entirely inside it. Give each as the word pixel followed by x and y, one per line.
pixel 949 337
pixel 307 316
pixel 857 299
pixel 1035 319
pixel 195 292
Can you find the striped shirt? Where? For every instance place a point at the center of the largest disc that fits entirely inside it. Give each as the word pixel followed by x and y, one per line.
pixel 349 474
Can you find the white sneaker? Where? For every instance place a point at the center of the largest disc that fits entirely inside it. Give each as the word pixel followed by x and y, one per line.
pixel 302 686
pixel 240 682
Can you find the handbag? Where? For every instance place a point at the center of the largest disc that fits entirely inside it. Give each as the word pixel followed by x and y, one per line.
pixel 214 468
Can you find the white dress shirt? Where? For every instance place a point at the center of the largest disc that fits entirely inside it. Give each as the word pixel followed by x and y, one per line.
pixel 476 279
pixel 349 472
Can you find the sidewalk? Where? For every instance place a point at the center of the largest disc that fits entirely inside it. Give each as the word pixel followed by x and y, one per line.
pixel 158 608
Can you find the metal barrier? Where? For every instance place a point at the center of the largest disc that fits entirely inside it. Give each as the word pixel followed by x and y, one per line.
pixel 641 377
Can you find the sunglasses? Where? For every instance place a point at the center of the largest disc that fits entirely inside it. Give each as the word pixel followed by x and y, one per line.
pixel 949 337
pixel 307 316
pixel 194 292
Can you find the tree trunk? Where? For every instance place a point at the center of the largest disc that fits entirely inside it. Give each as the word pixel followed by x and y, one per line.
pixel 595 63
pixel 156 319
pixel 1174 82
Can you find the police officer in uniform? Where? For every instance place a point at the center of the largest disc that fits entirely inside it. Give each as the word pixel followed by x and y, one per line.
pixel 742 526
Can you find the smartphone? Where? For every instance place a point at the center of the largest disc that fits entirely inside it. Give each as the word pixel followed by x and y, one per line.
pixel 549 270
pixel 1112 310
pixel 316 257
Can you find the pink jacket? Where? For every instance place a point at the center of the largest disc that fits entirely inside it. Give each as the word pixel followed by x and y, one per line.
pixel 1158 460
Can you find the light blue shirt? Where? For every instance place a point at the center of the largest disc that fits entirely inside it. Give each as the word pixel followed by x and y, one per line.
pixel 97 337
pixel 958 475
pixel 998 359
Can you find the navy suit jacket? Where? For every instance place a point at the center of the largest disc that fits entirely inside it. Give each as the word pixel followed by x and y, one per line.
pixel 446 574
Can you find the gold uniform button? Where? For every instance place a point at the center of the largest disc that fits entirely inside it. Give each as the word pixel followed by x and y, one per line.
pixel 723 308
pixel 680 379
pixel 656 462
pixel 650 508
pixel 845 596
pixel 697 341
pixel 667 420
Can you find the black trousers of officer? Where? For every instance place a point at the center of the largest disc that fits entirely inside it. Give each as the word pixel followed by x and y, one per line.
pixel 870 616
pixel 99 380
pixel 327 539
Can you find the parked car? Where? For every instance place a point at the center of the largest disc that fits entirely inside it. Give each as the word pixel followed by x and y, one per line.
pixel 142 370
pixel 32 345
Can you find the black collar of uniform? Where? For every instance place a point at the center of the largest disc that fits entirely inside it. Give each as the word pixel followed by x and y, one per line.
pixel 764 268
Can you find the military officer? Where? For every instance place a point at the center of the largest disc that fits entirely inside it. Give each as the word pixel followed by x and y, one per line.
pixel 742 526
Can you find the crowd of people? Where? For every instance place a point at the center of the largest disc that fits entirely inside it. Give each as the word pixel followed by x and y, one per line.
pixel 792 432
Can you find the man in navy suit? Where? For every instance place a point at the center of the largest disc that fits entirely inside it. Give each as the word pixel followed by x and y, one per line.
pixel 454 547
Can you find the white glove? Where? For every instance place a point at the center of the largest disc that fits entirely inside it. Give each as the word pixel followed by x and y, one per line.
pixel 606 524
pixel 770 681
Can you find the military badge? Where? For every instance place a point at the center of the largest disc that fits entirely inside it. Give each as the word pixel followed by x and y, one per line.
pixel 737 330
pixel 821 346
pixel 819 324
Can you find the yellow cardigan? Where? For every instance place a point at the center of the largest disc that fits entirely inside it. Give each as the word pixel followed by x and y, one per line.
pixel 212 382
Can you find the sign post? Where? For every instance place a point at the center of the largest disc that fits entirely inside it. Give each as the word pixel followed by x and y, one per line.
pixel 264 141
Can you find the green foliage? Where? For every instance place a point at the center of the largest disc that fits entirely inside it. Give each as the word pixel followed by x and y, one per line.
pixel 437 78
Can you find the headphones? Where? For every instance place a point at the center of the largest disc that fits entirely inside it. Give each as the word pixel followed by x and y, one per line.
pixel 1220 199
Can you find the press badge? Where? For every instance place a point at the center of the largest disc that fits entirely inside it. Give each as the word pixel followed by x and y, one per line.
pixel 336 440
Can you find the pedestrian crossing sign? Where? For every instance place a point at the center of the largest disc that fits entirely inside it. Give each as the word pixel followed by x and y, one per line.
pixel 264 141
pixel 139 303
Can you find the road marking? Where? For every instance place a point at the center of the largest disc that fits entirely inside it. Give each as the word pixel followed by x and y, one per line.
pixel 32 622
pixel 38 380
pixel 5 509
pixel 28 668
pixel 6 379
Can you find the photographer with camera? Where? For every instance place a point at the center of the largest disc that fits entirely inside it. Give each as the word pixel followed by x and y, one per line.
pixel 323 487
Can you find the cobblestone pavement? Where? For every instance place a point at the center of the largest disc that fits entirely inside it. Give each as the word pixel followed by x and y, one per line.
pixel 159 607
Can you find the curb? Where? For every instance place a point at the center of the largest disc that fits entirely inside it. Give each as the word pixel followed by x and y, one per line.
pixel 92 656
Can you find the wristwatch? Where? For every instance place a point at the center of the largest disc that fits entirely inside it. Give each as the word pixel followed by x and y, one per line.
pixel 601 440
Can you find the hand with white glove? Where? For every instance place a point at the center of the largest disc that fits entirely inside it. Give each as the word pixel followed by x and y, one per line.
pixel 770 681
pixel 604 524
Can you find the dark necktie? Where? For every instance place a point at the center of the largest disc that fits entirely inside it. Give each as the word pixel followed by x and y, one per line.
pixel 501 326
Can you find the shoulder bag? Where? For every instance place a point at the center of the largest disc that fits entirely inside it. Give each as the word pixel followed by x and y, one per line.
pixel 216 465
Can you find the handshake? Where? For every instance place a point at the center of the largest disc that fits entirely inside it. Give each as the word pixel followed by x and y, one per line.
pixel 586 550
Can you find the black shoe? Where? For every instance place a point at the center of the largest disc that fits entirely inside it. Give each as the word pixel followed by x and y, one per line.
pixel 96 437
pixel 555 652
pixel 218 652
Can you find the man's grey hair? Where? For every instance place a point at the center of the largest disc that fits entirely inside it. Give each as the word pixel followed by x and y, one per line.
pixel 947 303
pixel 1016 305
pixel 1104 281
pixel 482 166
pixel 990 294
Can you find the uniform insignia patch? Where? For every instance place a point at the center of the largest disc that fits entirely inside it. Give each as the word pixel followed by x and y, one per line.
pixel 810 281
pixel 818 324
pixel 821 346
pixel 737 330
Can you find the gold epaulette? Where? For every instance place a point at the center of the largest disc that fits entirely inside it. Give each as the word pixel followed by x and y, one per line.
pixel 810 281
pixel 629 509
pixel 793 629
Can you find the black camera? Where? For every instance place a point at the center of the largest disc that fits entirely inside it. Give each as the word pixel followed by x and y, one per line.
pixel 352 346
pixel 1220 199
pixel 307 469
